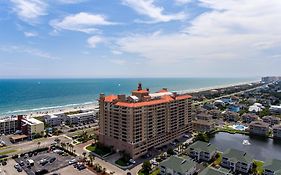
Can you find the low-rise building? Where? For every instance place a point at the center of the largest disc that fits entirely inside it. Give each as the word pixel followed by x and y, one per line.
pixel 231 116
pixel 54 120
pixel 82 117
pixel 276 131
pixel 9 125
pixel 256 107
pixel 271 120
pixel 259 128
pixel 202 151
pixel 249 117
pixel 31 126
pixel 204 116
pixel 272 167
pixel 237 161
pixel 234 108
pixel 203 126
pixel 175 165
pixel 275 109
pixel 215 113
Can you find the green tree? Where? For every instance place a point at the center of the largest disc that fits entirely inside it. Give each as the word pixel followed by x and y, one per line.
pixel 146 167
pixel 170 151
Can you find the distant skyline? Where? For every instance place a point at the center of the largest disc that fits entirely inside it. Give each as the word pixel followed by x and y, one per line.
pixel 139 38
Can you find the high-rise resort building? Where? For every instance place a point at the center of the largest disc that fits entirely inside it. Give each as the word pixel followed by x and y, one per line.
pixel 143 121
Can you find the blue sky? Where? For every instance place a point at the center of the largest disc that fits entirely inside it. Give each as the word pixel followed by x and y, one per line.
pixel 139 38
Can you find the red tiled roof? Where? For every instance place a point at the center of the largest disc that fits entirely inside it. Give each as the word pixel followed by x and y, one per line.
pixel 164 99
pixel 140 91
pixel 182 97
pixel 110 98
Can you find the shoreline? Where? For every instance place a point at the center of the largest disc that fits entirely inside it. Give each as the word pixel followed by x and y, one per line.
pixel 94 104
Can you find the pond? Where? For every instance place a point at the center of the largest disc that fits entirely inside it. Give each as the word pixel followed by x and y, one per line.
pixel 259 148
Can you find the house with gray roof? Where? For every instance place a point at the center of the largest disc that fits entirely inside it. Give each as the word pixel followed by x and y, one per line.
pixel 272 167
pixel 202 151
pixel 175 165
pixel 213 171
pixel 236 160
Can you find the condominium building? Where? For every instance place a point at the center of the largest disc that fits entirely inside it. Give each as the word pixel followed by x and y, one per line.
pixel 9 125
pixel 203 126
pixel 277 131
pixel 54 120
pixel 249 117
pixel 143 120
pixel 259 128
pixel 271 120
pixel 272 167
pixel 31 126
pixel 202 151
pixel 231 116
pixel 175 165
pixel 237 161
pixel 81 117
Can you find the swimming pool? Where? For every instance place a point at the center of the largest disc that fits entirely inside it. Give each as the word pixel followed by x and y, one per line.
pixel 239 127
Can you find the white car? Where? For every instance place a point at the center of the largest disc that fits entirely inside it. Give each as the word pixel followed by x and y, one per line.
pixel 132 161
pixel 73 161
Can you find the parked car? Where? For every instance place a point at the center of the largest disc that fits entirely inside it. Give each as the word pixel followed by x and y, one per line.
pixel 52 159
pixel 73 161
pixel 40 172
pixel 132 161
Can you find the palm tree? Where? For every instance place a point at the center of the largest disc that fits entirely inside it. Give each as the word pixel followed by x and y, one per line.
pixel 38 143
pixel 84 154
pixel 57 140
pixel 62 144
pixel 91 157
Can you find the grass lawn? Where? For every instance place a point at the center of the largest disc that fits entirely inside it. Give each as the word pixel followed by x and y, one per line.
pixel 219 159
pixel 98 150
pixel 155 172
pixel 259 165
pixel 7 152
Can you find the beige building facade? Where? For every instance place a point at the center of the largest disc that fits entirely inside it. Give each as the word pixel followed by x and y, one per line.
pixel 144 120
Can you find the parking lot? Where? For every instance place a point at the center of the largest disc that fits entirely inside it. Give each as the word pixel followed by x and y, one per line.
pixel 45 160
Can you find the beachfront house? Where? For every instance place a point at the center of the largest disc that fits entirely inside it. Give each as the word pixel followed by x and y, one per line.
pixel 231 116
pixel 276 131
pixel 237 161
pixel 272 167
pixel 202 151
pixel 259 128
pixel 203 126
pixel 271 120
pixel 175 165
pixel 249 117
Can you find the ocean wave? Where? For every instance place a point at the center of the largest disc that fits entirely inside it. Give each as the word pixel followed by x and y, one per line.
pixel 48 108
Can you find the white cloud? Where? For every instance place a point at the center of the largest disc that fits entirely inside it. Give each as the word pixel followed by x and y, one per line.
pixel 82 22
pixel 231 30
pixel 29 10
pixel 118 61
pixel 148 8
pixel 94 40
pixel 30 34
pixel 180 2
pixel 117 52
pixel 28 50
pixel 70 1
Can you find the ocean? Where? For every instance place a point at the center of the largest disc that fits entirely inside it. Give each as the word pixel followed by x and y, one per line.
pixel 24 95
